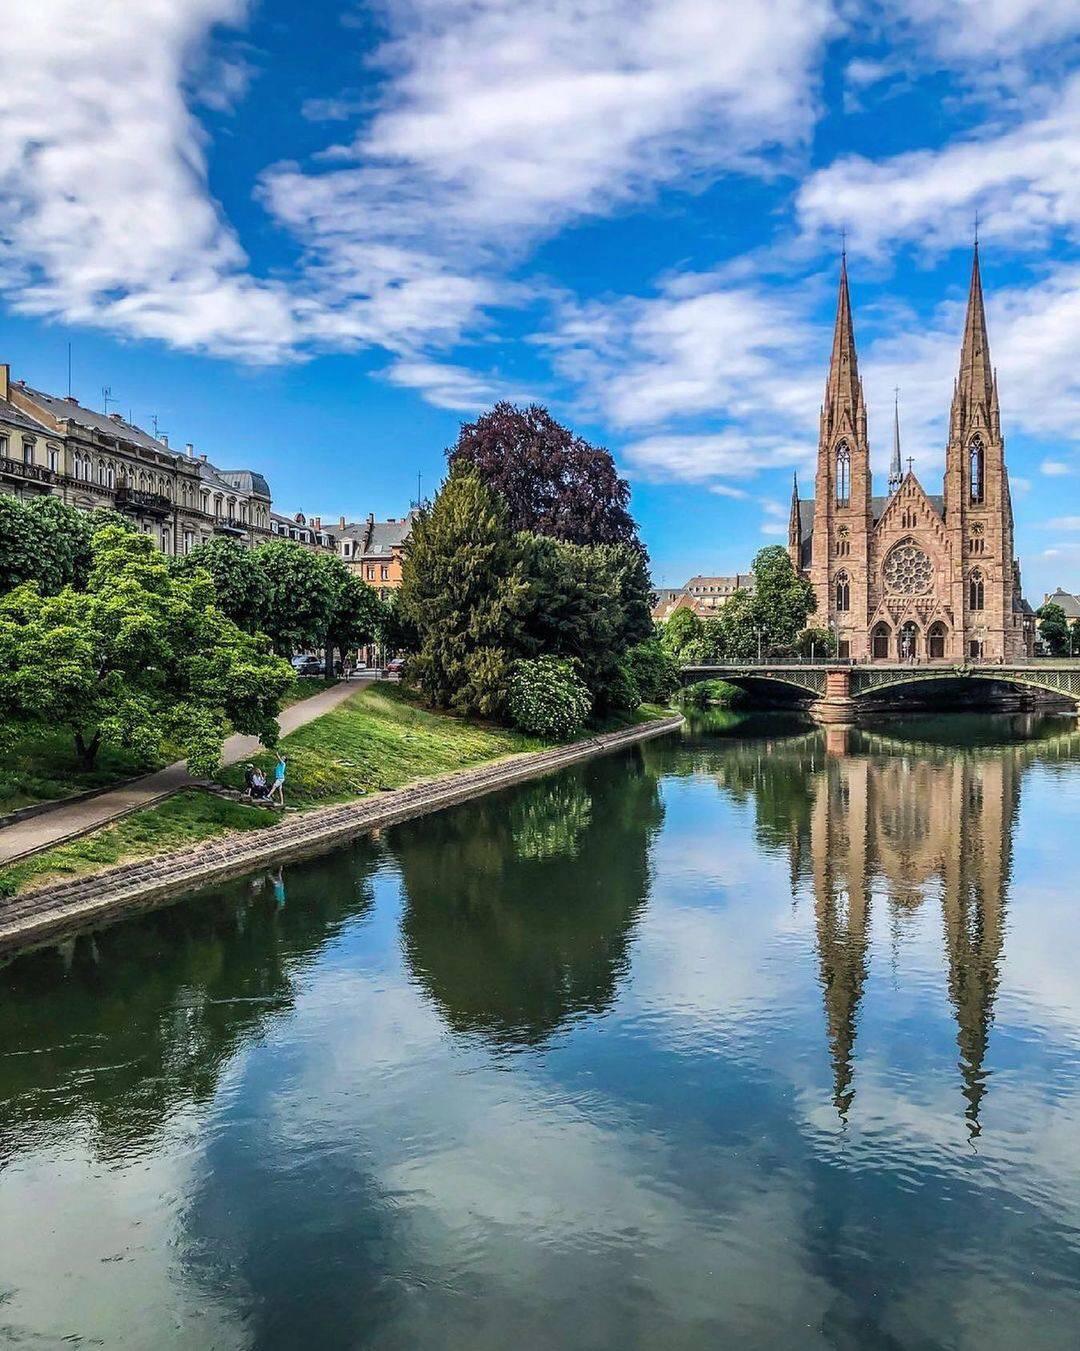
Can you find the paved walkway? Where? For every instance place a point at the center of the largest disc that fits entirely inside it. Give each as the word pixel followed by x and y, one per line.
pixel 66 823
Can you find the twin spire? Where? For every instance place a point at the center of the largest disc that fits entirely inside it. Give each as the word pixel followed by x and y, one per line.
pixel 976 385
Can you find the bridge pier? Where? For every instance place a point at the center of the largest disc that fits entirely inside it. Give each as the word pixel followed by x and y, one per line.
pixel 837 706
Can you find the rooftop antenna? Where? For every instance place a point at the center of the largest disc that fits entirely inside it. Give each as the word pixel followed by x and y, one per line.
pixel 106 394
pixel 154 424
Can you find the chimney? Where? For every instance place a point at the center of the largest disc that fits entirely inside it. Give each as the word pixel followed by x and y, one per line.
pixel 164 439
pixel 5 380
pixel 341 523
pixel 189 448
pixel 316 521
pixel 203 458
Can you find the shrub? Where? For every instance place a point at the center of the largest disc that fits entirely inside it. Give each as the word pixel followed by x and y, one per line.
pixel 548 698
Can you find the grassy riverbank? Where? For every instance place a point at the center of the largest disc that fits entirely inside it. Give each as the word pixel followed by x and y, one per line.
pixel 378 739
pixel 44 767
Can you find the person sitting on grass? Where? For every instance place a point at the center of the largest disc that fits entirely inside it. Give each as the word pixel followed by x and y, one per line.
pixel 278 790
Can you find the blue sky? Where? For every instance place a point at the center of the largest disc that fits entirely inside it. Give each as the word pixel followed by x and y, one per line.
pixel 312 239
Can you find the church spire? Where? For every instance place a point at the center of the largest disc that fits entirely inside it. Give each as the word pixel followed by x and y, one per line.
pixel 843 388
pixel 975 385
pixel 896 472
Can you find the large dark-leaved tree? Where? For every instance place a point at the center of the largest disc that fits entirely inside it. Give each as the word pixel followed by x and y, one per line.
pixel 552 481
pixel 463 594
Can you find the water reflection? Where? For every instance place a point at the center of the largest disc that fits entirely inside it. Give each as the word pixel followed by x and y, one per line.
pixel 893 819
pixel 503 927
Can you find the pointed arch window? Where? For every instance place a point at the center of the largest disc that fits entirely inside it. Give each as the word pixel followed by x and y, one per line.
pixel 842 590
pixel 976 591
pixel 977 467
pixel 843 474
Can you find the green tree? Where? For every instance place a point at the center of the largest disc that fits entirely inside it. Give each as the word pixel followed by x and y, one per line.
pixel 1074 638
pixel 783 601
pixel 464 594
pixel 815 643
pixel 736 633
pixel 654 672
pixel 589 603
pixel 300 594
pixel 683 638
pixel 357 615
pixel 140 658
pixel 239 579
pixel 1054 629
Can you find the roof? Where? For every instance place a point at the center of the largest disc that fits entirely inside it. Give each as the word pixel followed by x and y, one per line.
pixel 245 480
pixel 742 581
pixel 378 538
pixel 111 424
pixel 15 417
pixel 1067 601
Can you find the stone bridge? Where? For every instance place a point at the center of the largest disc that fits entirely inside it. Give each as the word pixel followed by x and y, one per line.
pixel 835 689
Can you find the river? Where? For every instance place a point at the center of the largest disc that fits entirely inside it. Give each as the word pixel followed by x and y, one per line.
pixel 754 1037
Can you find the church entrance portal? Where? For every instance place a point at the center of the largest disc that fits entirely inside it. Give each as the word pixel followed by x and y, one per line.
pixel 935 642
pixel 881 642
pixel 908 642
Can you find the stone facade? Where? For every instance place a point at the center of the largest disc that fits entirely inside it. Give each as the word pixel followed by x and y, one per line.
pixel 910 576
pixel 89 460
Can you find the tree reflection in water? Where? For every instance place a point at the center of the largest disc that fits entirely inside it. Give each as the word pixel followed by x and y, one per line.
pixel 501 927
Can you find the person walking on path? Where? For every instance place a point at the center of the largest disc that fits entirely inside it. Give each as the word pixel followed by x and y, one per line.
pixel 278 790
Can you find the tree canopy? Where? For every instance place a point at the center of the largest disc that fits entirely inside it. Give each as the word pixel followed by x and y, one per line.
pixel 552 481
pixel 45 541
pixel 1054 629
pixel 140 658
pixel 463 593
pixel 239 579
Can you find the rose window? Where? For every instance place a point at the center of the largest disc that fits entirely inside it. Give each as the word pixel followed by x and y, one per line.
pixel 908 570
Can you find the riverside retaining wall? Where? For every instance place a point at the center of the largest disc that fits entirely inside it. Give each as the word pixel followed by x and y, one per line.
pixel 50 912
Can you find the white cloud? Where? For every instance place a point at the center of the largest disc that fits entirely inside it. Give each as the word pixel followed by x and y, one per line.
pixel 987 29
pixel 1055 468
pixel 1024 182
pixel 1064 523
pixel 449 386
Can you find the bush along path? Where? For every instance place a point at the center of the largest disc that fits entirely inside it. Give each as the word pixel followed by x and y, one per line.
pixel 46 913
pixel 71 820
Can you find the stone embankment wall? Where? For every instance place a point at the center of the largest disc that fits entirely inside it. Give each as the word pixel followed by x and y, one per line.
pixel 50 912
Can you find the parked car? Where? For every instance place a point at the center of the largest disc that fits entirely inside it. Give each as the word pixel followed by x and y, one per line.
pixel 395 667
pixel 308 666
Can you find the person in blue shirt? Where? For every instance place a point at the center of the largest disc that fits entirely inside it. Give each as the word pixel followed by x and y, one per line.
pixel 278 790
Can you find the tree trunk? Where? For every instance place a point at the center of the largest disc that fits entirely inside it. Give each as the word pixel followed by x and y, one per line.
pixel 87 750
pixel 328 664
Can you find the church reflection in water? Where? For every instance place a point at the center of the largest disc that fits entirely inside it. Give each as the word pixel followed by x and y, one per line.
pixel 902 824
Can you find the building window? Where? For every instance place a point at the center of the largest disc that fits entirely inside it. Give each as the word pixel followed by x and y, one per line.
pixel 28 452
pixel 978 472
pixel 843 592
pixel 189 541
pixel 3 446
pixel 976 591
pixel 384 574
pixel 54 459
pixel 165 542
pixel 843 474
pixel 370 573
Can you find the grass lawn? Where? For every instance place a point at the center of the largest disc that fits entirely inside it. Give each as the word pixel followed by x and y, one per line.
pixel 186 818
pixel 39 768
pixel 379 738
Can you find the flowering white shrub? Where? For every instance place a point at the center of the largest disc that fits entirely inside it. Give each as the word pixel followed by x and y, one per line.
pixel 548 698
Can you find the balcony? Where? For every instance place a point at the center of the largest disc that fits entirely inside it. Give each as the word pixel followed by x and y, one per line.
pixel 32 473
pixel 142 503
pixel 231 525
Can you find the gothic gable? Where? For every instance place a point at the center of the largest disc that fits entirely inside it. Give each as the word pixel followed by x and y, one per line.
pixel 908 509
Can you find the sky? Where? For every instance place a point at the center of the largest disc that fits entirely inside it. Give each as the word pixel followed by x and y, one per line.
pixel 313 239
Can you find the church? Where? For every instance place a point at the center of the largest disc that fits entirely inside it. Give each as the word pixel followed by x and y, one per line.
pixel 913 576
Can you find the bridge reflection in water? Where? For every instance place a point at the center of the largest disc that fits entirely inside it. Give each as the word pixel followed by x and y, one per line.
pixel 873 819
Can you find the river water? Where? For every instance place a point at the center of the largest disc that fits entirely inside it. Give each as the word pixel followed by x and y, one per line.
pixel 755 1037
